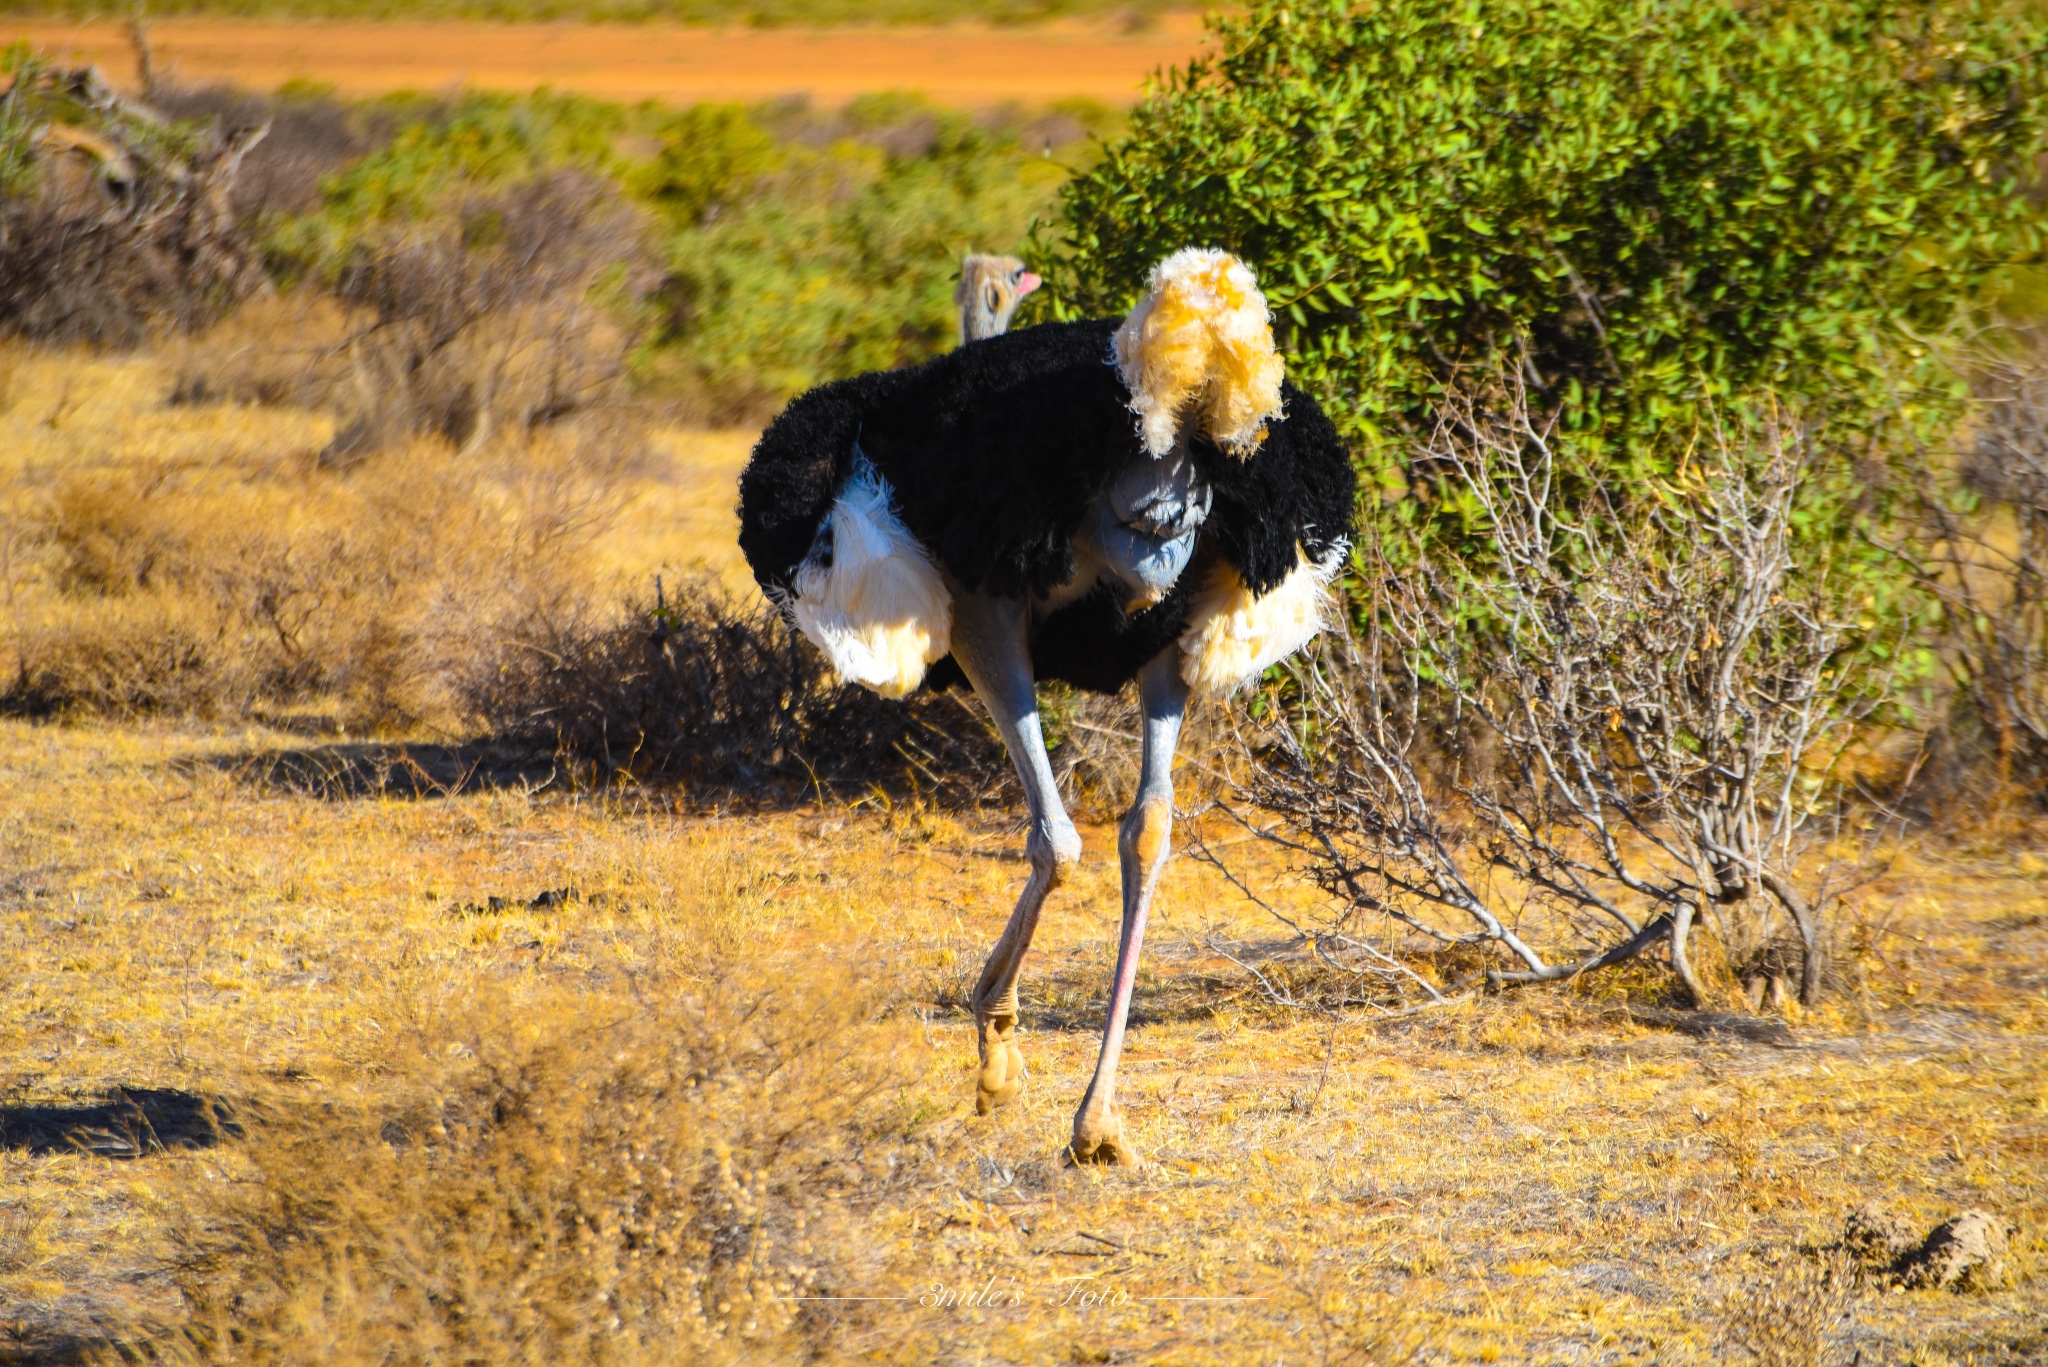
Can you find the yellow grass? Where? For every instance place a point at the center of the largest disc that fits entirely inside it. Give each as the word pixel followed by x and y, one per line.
pixel 203 555
pixel 735 1068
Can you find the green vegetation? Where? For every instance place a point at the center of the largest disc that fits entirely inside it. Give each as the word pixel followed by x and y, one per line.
pixel 843 257
pixel 1643 205
pixel 1639 222
pixel 788 246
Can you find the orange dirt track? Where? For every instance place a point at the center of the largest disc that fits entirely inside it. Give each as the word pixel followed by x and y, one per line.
pixel 968 65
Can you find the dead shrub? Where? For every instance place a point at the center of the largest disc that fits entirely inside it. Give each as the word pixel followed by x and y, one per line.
pixel 1661 687
pixel 312 135
pixel 1791 1317
pixel 717 693
pixel 490 322
pixel 122 227
pixel 1096 748
pixel 1981 547
pixel 548 1176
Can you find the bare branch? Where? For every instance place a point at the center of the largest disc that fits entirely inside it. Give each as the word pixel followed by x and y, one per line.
pixel 1620 701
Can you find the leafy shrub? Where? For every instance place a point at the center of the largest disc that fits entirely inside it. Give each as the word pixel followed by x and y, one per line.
pixel 798 246
pixel 842 255
pixel 439 156
pixel 709 153
pixel 1640 203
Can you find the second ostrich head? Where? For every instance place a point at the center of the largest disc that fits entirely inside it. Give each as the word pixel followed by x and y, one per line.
pixel 990 289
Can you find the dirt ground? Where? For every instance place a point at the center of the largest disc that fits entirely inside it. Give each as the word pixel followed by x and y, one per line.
pixel 1562 1177
pixel 967 65
pixel 1579 1174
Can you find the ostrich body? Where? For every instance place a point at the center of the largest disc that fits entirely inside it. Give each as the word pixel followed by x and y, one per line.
pixel 1095 502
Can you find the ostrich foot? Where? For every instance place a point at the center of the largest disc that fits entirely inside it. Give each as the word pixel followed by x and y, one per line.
pixel 1099 1138
pixel 1002 1065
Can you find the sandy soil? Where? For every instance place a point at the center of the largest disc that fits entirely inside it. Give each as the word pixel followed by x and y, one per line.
pixel 965 65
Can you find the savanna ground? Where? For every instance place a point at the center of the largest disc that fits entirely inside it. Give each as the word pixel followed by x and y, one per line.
pixel 966 64
pixel 320 1045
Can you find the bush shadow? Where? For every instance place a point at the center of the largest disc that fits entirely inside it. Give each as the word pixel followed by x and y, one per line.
pixel 129 1122
pixel 345 770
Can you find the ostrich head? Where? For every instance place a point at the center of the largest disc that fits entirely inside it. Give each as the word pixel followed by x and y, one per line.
pixel 990 289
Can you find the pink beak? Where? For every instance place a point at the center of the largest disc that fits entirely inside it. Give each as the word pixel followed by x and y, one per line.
pixel 1026 283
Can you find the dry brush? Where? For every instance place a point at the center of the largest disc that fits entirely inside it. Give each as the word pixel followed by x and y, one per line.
pixel 1602 722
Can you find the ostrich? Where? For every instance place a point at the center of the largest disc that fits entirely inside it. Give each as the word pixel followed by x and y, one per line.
pixel 1095 502
pixel 990 289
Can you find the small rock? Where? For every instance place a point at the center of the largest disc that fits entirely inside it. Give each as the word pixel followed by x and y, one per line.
pixel 1872 1234
pixel 1964 1254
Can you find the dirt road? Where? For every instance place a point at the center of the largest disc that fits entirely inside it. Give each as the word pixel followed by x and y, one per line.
pixel 964 65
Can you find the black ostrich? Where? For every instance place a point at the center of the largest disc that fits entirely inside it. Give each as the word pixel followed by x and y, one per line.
pixel 1096 502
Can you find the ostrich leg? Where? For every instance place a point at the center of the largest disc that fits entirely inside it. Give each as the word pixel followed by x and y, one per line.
pixel 1142 846
pixel 992 644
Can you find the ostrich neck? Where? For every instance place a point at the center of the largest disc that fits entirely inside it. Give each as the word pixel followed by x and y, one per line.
pixel 978 324
pixel 1139 533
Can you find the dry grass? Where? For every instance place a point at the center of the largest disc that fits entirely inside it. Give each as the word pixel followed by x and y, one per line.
pixel 510 1071
pixel 1522 1179
pixel 210 555
pixel 254 527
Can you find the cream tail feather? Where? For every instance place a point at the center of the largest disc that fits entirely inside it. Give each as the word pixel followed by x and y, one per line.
pixel 874 603
pixel 1233 635
pixel 1201 340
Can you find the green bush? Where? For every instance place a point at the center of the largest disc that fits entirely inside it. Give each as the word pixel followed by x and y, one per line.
pixel 440 154
pixel 1642 205
pixel 795 245
pixel 842 254
pixel 709 154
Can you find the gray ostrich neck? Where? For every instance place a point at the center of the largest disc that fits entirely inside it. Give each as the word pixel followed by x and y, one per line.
pixel 980 323
pixel 1140 532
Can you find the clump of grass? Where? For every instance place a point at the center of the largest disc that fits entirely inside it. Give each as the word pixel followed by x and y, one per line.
pixel 545 1176
pixel 1791 1317
pixel 707 689
pixel 270 584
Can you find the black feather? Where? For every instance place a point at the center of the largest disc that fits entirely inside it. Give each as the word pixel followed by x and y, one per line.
pixel 997 449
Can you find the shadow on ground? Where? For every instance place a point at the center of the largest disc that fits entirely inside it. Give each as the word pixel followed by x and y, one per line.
pixel 355 769
pixel 128 1123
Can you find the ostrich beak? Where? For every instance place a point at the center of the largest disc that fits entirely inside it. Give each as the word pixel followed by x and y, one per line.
pixel 1026 283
